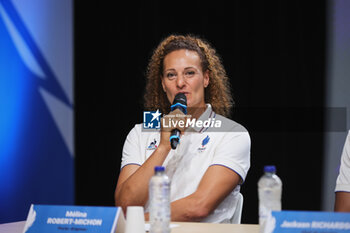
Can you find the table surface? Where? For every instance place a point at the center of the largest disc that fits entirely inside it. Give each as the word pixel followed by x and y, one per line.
pixel 182 227
pixel 192 227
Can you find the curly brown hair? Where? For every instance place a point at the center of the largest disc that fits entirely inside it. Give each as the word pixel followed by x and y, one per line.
pixel 217 93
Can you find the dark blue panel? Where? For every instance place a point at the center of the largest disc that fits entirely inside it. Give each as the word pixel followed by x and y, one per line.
pixel 35 164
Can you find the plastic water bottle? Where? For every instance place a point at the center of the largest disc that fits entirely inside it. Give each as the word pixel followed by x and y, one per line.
pixel 270 194
pixel 159 194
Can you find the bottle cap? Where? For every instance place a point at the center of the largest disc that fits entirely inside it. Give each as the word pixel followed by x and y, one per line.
pixel 159 168
pixel 270 168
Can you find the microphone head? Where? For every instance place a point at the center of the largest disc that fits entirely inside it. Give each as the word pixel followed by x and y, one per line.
pixel 180 102
pixel 180 98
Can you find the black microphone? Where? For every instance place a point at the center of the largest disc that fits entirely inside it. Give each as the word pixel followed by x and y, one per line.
pixel 180 102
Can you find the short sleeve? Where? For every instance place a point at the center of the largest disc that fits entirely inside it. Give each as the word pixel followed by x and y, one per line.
pixel 131 149
pixel 233 152
pixel 343 180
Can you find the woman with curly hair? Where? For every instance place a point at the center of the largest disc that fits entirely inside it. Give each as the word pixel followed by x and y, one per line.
pixel 213 157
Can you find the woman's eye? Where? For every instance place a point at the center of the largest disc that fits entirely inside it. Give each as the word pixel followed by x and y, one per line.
pixel 189 73
pixel 170 75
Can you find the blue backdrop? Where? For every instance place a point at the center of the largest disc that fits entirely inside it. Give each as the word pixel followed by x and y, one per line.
pixel 36 106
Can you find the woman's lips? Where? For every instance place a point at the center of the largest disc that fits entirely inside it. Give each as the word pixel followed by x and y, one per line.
pixel 186 93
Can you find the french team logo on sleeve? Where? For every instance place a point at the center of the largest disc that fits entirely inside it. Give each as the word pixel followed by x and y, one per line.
pixel 151 119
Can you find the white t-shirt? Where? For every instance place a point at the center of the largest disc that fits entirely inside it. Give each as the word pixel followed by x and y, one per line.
pixel 343 180
pixel 199 148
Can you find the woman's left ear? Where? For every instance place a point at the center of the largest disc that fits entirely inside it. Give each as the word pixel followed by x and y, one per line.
pixel 206 78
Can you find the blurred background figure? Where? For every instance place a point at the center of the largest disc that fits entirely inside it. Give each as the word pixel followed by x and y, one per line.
pixel 342 188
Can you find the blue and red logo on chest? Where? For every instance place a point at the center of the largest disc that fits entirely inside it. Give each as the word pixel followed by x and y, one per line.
pixel 204 143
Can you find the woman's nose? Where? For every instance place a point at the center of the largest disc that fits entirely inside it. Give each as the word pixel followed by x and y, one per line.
pixel 180 81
